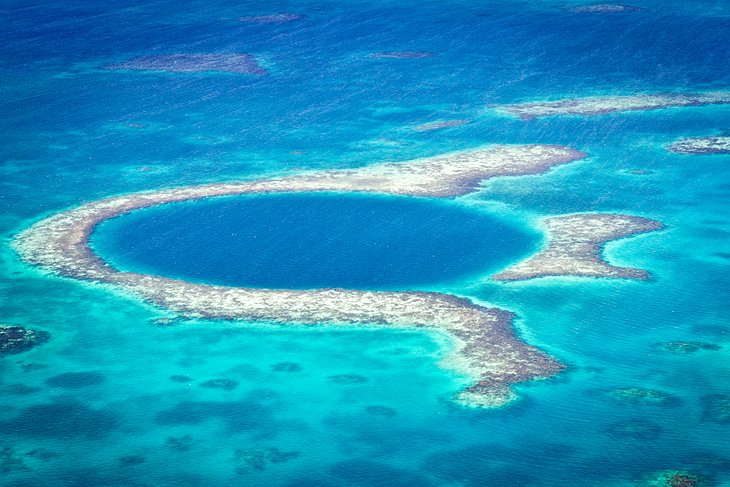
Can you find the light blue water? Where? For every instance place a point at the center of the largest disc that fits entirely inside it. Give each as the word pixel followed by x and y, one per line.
pixel 313 241
pixel 73 132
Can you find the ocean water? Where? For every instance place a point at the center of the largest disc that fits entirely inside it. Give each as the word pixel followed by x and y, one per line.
pixel 112 399
pixel 316 240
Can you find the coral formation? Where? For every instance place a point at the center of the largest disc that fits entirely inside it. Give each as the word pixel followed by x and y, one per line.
pixel 599 105
pixel 702 145
pixel 16 339
pixel 193 63
pixel 574 245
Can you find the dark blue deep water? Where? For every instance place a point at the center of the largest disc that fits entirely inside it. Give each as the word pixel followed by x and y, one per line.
pixel 313 241
pixel 119 397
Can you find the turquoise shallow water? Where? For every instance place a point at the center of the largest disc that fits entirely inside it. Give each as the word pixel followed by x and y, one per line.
pixel 365 407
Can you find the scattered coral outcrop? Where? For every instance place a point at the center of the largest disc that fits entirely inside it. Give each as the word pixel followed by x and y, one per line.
pixel 702 145
pixel 599 105
pixel 16 339
pixel 239 63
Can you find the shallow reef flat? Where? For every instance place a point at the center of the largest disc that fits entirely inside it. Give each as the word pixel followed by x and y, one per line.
pixel 485 349
pixel 574 247
pixel 687 347
pixel 280 18
pixel 240 63
pixel 605 8
pixel 676 478
pixel 599 105
pixel 702 145
pixel 401 55
pixel 641 395
pixel 442 124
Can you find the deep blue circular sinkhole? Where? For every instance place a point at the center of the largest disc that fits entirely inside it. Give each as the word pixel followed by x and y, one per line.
pixel 313 240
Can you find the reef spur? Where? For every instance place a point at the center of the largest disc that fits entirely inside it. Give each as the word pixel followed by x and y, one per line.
pixel 574 245
pixel 485 349
pixel 599 105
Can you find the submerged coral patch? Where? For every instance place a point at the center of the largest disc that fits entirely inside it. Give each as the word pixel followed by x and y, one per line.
pixel 279 18
pixel 347 379
pixel 179 443
pixel 384 411
pixel 224 384
pixel 688 347
pixel 702 145
pixel 75 380
pixel 11 461
pixel 130 460
pixel 401 55
pixel 20 389
pixel 716 408
pixel 259 459
pixel 16 339
pixel 238 63
pixel 61 420
pixel 640 395
pixel 639 429
pixel 605 8
pixel 676 478
pixel 183 379
pixel 443 124
pixel 600 105
pixel 237 416
pixel 286 367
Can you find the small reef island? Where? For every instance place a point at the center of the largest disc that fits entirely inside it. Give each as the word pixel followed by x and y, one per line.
pixel 485 346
